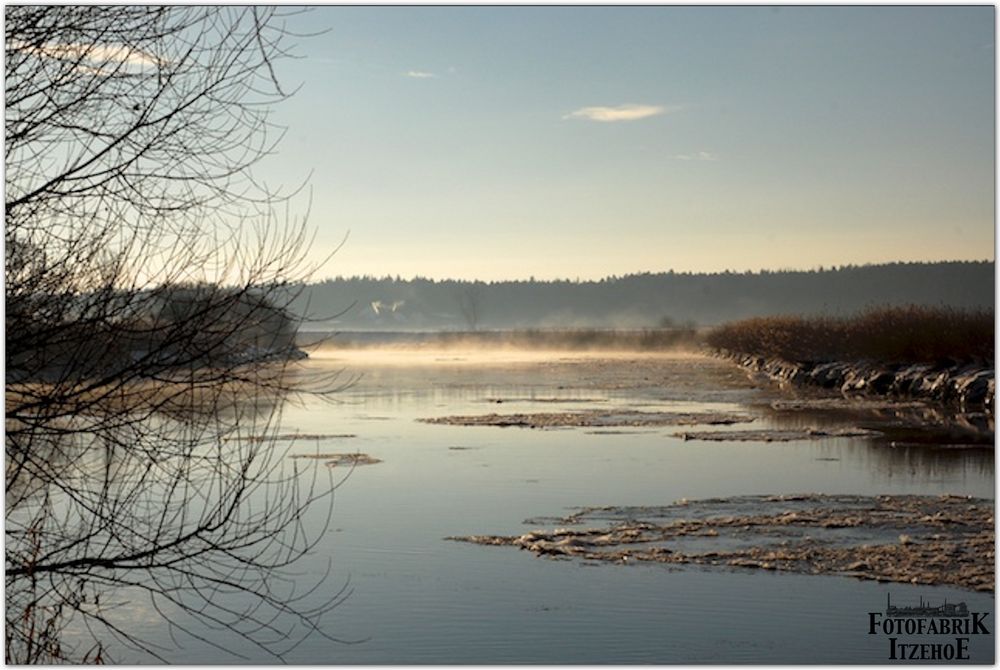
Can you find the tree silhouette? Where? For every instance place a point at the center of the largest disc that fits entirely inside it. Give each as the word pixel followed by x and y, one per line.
pixel 148 288
pixel 470 303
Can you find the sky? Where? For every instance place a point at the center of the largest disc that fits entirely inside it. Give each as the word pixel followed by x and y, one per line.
pixel 582 142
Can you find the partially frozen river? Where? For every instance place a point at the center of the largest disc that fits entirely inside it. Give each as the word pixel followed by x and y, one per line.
pixel 417 598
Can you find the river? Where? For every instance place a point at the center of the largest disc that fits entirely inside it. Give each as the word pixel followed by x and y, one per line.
pixel 418 598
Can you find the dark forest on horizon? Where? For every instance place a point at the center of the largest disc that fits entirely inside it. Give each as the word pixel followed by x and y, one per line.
pixel 643 300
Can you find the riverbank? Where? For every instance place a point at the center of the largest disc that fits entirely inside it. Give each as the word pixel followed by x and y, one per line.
pixel 972 387
pixel 937 354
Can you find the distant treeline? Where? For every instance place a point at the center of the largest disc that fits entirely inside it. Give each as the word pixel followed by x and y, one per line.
pixel 645 300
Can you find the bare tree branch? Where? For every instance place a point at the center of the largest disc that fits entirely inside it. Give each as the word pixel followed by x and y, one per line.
pixel 150 336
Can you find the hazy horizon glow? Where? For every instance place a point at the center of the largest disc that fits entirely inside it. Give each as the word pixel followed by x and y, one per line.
pixel 564 142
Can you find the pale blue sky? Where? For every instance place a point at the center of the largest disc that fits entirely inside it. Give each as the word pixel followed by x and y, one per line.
pixel 457 141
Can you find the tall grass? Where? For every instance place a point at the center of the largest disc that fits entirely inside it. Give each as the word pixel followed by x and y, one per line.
pixel 910 334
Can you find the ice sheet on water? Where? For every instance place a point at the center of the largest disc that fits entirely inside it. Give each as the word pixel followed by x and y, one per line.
pixel 917 539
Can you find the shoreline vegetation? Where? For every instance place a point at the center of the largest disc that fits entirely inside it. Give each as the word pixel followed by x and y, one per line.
pixel 171 330
pixel 893 335
pixel 935 353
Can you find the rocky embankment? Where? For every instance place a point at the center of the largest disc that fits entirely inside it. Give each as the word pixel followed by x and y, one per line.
pixel 971 387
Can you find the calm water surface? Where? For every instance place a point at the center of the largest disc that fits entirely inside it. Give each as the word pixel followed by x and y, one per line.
pixel 416 598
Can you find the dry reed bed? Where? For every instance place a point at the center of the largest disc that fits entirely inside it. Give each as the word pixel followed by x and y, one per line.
pixel 908 334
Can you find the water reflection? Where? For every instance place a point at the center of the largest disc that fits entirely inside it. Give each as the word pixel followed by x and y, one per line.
pixel 914 441
pixel 900 423
pixel 176 492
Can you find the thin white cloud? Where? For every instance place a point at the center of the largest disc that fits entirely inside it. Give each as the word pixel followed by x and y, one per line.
pixel 620 113
pixel 420 74
pixel 92 55
pixel 697 156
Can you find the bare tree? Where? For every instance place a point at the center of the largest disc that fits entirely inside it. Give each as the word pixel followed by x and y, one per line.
pixel 470 303
pixel 148 285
